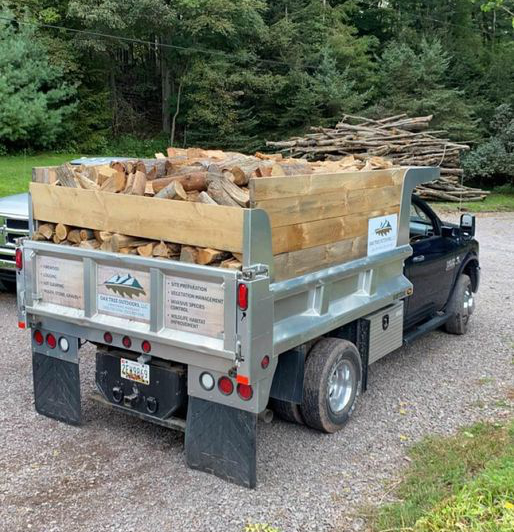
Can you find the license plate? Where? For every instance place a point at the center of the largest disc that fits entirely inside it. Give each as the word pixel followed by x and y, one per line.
pixel 134 371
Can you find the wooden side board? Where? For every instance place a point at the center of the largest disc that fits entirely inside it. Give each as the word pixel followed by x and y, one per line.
pixel 182 222
pixel 311 234
pixel 333 204
pixel 283 187
pixel 44 174
pixel 304 261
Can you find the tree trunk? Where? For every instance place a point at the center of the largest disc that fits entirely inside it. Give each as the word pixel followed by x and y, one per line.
pixel 175 115
pixel 166 93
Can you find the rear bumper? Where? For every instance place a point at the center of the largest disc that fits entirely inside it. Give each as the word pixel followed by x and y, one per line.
pixel 7 264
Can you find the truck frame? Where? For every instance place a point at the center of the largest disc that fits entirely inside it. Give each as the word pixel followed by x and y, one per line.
pixel 213 386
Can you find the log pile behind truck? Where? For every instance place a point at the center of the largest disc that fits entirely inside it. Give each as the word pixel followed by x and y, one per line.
pixel 402 140
pixel 190 206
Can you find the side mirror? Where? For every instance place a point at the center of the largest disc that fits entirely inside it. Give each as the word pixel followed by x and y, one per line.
pixel 467 225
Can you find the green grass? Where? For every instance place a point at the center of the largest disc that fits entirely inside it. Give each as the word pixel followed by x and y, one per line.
pixel 16 170
pixel 464 483
pixel 495 202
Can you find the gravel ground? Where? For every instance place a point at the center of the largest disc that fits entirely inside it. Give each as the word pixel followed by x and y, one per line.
pixel 121 474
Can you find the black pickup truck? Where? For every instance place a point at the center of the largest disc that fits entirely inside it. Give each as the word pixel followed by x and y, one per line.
pixel 444 270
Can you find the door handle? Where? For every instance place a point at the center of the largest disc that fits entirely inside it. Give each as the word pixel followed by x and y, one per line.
pixel 418 258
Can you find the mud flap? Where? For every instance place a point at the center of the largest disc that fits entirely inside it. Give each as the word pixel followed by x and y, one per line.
pixel 57 388
pixel 222 440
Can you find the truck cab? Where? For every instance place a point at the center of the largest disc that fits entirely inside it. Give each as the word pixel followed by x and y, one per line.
pixel 442 253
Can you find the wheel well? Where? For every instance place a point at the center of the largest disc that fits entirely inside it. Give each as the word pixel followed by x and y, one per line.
pixel 471 270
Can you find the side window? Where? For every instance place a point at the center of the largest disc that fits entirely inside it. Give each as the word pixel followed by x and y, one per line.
pixel 421 226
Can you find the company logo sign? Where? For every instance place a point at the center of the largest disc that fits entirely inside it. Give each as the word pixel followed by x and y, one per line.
pixel 382 233
pixel 125 286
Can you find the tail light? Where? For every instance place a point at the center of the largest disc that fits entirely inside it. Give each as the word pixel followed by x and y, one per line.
pixel 242 296
pixel 225 386
pixel 265 362
pixel 146 346
pixel 207 381
pixel 18 257
pixel 51 342
pixel 245 391
pixel 108 338
pixel 127 342
pixel 38 337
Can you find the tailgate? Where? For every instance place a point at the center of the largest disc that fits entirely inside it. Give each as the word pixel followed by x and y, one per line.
pixel 183 305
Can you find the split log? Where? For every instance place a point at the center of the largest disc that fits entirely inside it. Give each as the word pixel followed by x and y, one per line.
pixel 116 183
pixel 66 176
pixel 173 191
pixel 46 230
pixel 89 244
pixel 118 241
pixel 146 250
pixel 104 174
pixel 209 255
pixel 203 197
pixel 189 254
pixel 231 264
pixel 102 236
pixel 161 250
pixel 85 182
pixel 139 184
pixel 74 236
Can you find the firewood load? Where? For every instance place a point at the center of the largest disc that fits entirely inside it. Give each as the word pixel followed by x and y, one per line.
pixel 190 175
pixel 401 140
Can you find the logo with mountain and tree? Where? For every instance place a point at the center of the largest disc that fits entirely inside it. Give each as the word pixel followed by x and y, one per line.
pixel 125 286
pixel 384 228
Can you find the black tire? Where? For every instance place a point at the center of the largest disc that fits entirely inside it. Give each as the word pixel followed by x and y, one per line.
pixel 461 306
pixel 318 392
pixel 8 286
pixel 287 411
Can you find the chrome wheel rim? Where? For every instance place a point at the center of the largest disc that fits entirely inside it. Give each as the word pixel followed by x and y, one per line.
pixel 468 302
pixel 340 386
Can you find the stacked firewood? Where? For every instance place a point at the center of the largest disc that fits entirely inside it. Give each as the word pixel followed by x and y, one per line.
pixel 204 176
pixel 402 140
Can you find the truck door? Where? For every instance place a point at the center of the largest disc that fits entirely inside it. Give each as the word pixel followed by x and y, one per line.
pixel 427 268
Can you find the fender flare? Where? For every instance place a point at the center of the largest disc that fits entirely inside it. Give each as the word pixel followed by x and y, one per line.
pixel 470 266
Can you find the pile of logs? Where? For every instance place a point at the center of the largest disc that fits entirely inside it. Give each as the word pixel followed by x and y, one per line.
pixel 204 176
pixel 402 140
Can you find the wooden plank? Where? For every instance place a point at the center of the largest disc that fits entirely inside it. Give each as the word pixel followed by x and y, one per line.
pixel 288 265
pixel 311 234
pixel 342 202
pixel 182 222
pixel 281 187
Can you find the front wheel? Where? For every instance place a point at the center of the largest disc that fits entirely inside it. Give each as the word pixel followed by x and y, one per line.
pixel 333 374
pixel 461 306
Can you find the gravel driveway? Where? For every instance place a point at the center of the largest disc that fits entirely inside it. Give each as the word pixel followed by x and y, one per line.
pixel 119 473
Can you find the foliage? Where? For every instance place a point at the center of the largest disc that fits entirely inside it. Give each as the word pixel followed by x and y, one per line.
pixel 35 99
pixel 492 162
pixel 233 73
pixel 456 483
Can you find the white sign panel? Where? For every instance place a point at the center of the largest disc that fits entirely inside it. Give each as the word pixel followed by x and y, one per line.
pixel 60 281
pixel 194 306
pixel 382 233
pixel 123 293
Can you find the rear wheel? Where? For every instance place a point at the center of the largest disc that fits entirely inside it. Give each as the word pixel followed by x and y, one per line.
pixel 333 374
pixel 461 306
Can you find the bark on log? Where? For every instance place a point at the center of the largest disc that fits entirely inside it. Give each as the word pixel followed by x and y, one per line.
pixel 188 254
pixel 46 230
pixel 139 184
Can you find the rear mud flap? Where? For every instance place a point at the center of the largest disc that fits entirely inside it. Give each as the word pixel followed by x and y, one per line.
pixel 222 440
pixel 57 388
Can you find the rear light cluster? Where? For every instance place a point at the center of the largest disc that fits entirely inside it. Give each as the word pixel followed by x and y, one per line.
pixel 146 346
pixel 51 341
pixel 18 259
pixel 225 386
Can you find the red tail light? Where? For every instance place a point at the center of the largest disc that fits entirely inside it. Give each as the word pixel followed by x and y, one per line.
pixel 265 362
pixel 38 337
pixel 108 338
pixel 245 391
pixel 242 296
pixel 18 257
pixel 51 342
pixel 146 346
pixel 127 342
pixel 225 385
